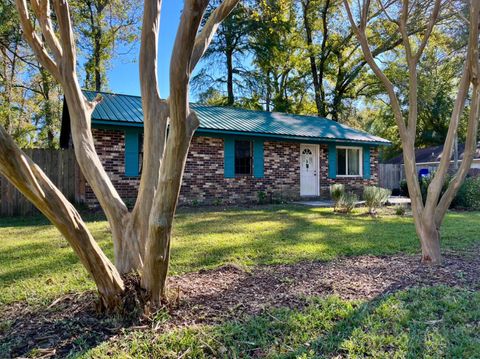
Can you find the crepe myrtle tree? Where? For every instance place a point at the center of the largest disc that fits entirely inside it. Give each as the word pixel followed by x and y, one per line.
pixel 141 237
pixel 403 14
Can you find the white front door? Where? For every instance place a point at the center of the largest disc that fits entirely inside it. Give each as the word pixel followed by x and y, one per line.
pixel 309 174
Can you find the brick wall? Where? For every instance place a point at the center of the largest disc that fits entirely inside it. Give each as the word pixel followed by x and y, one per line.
pixel 204 180
pixel 110 147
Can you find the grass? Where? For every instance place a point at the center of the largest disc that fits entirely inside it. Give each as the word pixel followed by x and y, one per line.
pixel 37 265
pixel 437 322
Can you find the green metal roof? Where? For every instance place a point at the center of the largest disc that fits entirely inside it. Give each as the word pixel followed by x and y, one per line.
pixel 126 110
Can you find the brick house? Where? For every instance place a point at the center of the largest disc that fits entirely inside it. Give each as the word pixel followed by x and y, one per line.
pixel 236 155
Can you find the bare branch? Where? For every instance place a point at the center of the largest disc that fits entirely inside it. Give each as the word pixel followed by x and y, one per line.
pixel 32 182
pixel 385 12
pixel 34 40
pixel 470 75
pixel 428 32
pixel 66 33
pixel 42 12
pixel 362 38
pixel 205 36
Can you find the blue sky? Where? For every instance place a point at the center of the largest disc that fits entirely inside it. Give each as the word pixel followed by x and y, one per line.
pixel 123 76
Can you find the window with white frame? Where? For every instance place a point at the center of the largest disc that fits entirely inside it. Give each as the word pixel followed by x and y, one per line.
pixel 349 161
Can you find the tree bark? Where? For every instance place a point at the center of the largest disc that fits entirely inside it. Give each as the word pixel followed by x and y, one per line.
pixel 141 238
pixel 29 179
pixel 230 94
pixel 183 123
pixel 311 56
pixel 429 236
pixel 428 217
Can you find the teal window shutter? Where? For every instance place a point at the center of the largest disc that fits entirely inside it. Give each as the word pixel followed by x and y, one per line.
pixel 228 158
pixel 258 159
pixel 366 162
pixel 131 153
pixel 332 161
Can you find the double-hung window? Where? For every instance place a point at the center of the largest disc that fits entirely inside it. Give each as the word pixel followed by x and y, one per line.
pixel 349 162
pixel 243 158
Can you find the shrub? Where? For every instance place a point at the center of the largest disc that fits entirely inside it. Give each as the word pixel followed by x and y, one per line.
pixel 336 193
pixel 468 196
pixel 400 210
pixel 347 202
pixel 262 197
pixel 424 183
pixel 404 188
pixel 375 197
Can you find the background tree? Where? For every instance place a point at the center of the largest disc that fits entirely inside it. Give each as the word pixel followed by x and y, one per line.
pixel 106 28
pixel 438 74
pixel 31 98
pixel 225 59
pixel 428 217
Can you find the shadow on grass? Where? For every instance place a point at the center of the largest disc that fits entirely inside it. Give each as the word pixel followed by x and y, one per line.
pixel 412 324
pixel 71 325
pixel 431 320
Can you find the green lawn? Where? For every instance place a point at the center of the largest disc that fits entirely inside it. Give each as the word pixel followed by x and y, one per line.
pixel 434 322
pixel 37 264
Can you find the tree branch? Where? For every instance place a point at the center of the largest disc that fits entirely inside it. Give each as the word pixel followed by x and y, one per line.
pixel 42 11
pixel 34 40
pixel 205 36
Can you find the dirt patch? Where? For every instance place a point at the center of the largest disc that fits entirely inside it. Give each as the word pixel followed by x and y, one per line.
pixel 71 323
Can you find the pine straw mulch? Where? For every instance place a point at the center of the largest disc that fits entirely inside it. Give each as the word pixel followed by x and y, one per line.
pixel 207 297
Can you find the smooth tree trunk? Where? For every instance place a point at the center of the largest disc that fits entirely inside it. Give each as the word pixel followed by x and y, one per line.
pixel 29 179
pixel 142 237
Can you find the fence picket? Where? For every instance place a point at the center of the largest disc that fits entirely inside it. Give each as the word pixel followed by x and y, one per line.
pixel 58 165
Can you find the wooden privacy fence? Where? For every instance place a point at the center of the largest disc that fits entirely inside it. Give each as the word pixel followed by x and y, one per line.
pixel 62 169
pixel 389 175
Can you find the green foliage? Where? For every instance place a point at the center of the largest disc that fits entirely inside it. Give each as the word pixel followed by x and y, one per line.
pixel 468 196
pixel 375 197
pixel 262 197
pixel 404 188
pixel 436 322
pixel 347 202
pixel 104 27
pixel 438 74
pixel 400 210
pixel 337 191
pixel 424 183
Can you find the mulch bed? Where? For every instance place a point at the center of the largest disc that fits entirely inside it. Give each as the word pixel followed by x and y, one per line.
pixel 209 297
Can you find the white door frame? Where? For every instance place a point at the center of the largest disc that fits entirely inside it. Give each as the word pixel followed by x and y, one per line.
pixel 316 150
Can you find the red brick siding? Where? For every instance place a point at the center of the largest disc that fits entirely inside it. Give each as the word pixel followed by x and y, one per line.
pixel 204 181
pixel 110 145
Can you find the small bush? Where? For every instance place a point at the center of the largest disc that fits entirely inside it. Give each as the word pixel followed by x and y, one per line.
pixel 262 197
pixel 468 196
pixel 400 210
pixel 424 183
pixel 336 193
pixel 404 188
pixel 375 197
pixel 347 202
